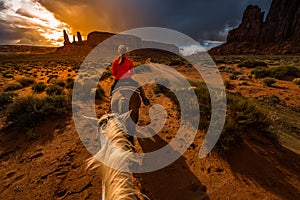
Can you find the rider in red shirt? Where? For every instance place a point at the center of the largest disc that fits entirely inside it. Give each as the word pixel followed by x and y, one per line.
pixel 122 70
pixel 122 67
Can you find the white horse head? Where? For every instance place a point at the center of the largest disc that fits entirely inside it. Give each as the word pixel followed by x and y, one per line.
pixel 114 156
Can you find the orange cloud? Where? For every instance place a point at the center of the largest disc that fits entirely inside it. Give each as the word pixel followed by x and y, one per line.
pixel 31 23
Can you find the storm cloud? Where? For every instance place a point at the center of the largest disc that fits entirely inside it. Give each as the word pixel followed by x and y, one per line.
pixel 200 19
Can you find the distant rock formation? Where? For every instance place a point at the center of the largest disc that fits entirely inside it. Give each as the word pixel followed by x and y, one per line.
pixel 94 38
pixel 79 38
pixel 66 38
pixel 279 34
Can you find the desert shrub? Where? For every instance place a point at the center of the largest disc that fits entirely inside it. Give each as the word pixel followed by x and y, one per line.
pixel 269 81
pixel 242 115
pixel 6 98
pixel 25 81
pixel 176 62
pixel 281 72
pixel 12 86
pixel 228 85
pixel 38 87
pixel 58 82
pixel 244 83
pixel 222 68
pixel 27 112
pixel 230 135
pixel 203 97
pixel 296 81
pixel 54 90
pixel 8 76
pixel 88 89
pixel 233 77
pixel 220 61
pixel 261 72
pixel 236 72
pixel 69 83
pixel 272 101
pixel 252 64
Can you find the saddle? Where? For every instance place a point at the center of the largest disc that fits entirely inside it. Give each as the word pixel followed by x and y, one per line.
pixel 130 85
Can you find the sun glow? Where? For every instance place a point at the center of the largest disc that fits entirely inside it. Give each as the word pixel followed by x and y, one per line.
pixel 31 15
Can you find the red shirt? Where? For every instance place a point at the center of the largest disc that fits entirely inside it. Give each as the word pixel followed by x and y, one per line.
pixel 125 70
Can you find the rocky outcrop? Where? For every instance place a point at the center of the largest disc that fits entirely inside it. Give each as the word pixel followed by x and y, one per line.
pixel 282 22
pixel 279 34
pixel 250 28
pixel 79 38
pixel 95 38
pixel 66 38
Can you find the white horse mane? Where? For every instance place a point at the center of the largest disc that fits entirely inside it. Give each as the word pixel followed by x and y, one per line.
pixel 116 151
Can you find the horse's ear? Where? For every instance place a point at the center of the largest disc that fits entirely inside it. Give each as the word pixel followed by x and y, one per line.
pixel 124 116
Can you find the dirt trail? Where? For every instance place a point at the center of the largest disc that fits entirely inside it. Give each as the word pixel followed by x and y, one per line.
pixel 53 165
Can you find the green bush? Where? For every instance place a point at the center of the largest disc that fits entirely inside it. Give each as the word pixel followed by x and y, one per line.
pixel 176 62
pixel 252 64
pixel 25 81
pixel 8 76
pixel 12 86
pixel 230 135
pixel 233 77
pixel 6 98
pixel 54 90
pixel 242 115
pixel 38 87
pixel 244 83
pixel 269 81
pixel 281 72
pixel 261 72
pixel 228 85
pixel 27 112
pixel 58 82
pixel 88 89
pixel 236 72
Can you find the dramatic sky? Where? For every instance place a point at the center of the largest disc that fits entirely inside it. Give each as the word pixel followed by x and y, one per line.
pixel 40 22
